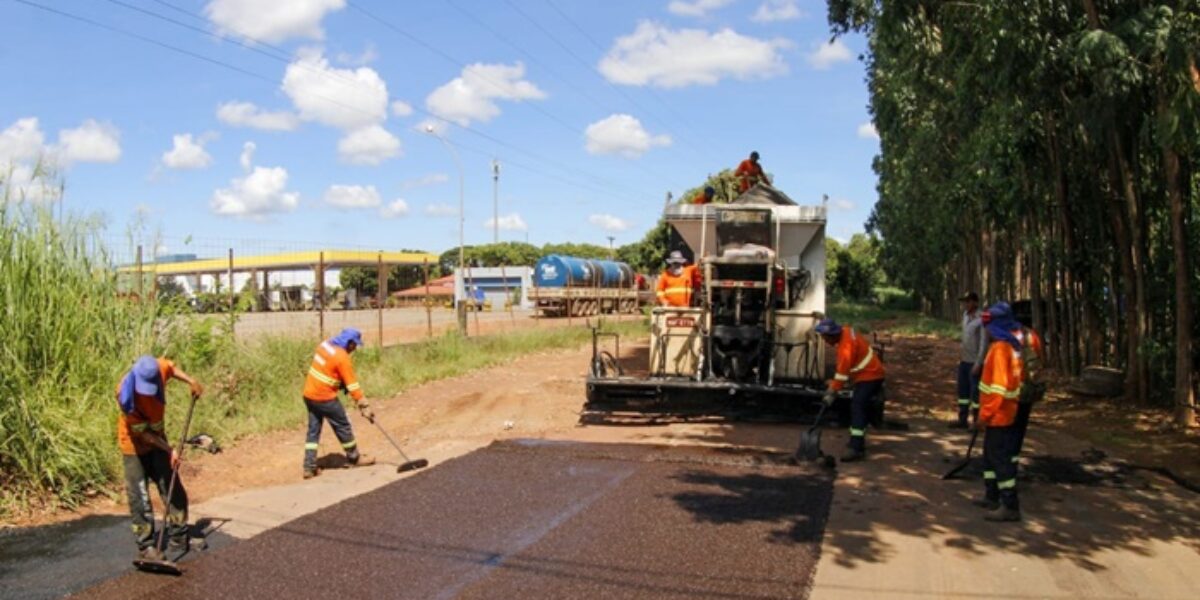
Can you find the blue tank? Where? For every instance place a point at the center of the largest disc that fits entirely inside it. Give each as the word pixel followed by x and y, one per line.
pixel 555 270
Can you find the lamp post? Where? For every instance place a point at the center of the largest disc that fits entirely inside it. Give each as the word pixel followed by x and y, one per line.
pixel 495 201
pixel 462 262
pixel 611 253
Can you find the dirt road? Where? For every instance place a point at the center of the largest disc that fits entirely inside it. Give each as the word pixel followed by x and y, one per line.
pixel 1093 528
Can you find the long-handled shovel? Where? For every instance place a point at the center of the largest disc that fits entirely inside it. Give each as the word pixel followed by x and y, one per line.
pixel 810 442
pixel 165 566
pixel 407 465
pixel 967 460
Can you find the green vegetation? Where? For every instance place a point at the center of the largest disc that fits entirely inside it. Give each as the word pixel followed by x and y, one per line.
pixel 852 272
pixel 1047 151
pixel 871 317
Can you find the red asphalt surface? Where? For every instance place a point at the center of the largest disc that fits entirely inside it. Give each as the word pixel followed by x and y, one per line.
pixel 538 519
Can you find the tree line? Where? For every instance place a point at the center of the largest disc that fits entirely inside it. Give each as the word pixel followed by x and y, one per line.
pixel 1045 150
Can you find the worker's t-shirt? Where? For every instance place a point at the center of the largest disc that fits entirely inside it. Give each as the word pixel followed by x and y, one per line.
pixel 748 173
pixel 676 290
pixel 147 415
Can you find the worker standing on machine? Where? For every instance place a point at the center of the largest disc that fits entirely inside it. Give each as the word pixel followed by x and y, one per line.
pixel 706 196
pixel 147 457
pixel 856 364
pixel 999 393
pixel 677 284
pixel 330 372
pixel 749 172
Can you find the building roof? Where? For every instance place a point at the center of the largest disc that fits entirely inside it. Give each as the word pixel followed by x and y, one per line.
pixel 286 261
pixel 442 286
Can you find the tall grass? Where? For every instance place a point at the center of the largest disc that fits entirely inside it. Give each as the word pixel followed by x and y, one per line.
pixel 869 317
pixel 70 335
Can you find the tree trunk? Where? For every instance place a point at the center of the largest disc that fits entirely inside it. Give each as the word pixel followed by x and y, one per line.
pixel 1137 254
pixel 1185 412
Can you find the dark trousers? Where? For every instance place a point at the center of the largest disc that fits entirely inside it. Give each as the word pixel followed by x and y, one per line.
pixel 1020 426
pixel 318 413
pixel 999 469
pixel 968 392
pixel 865 393
pixel 154 466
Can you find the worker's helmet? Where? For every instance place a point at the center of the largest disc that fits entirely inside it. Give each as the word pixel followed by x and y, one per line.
pixel 754 155
pixel 709 191
pixel 828 327
pixel 676 258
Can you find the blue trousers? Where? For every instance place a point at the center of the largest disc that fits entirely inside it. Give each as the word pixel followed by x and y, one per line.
pixel 999 469
pixel 865 392
pixel 318 413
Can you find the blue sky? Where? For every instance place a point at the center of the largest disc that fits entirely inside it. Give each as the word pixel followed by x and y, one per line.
pixel 324 144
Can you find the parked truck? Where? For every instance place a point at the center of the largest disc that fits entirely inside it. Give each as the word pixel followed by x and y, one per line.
pixel 568 285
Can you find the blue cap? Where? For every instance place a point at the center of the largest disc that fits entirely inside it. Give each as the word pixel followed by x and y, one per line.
pixel 146 376
pixel 828 327
pixel 347 335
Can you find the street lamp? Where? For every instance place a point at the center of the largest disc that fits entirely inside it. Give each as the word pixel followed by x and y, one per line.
pixel 611 252
pixel 462 262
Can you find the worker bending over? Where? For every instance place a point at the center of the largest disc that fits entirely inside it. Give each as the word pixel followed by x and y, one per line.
pixel 332 371
pixel 677 284
pixel 749 173
pixel 706 196
pixel 856 364
pixel 999 391
pixel 147 457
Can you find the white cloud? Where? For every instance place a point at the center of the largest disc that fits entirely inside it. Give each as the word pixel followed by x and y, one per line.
pixel 90 142
pixel 368 56
pixel 187 153
pixel 352 196
pixel 343 98
pixel 401 108
pixel 512 222
pixel 256 195
pixel 842 204
pixel 472 96
pixel 827 54
pixel 247 157
pixel 272 20
pixel 425 181
pixel 777 10
pixel 246 114
pixel 397 208
pixel 696 8
pixel 368 145
pixel 22 141
pixel 867 131
pixel 609 223
pixel 672 58
pixel 22 182
pixel 622 134
pixel 438 209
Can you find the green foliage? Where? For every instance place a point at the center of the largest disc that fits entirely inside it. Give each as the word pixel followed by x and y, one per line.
pixel 647 255
pixel 399 277
pixel 852 272
pixel 724 183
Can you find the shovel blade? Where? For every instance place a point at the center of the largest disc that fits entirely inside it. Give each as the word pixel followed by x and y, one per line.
pixel 413 465
pixel 810 445
pixel 158 567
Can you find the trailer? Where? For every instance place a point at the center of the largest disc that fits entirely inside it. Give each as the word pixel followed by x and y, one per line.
pixel 580 287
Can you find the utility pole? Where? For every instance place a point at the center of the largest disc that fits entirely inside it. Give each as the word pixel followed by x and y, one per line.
pixel 495 201
pixel 611 252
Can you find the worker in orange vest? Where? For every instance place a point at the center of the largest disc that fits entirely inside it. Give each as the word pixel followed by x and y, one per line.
pixel 677 284
pixel 999 392
pixel 856 364
pixel 1032 358
pixel 332 371
pixel 749 172
pixel 706 196
pixel 147 457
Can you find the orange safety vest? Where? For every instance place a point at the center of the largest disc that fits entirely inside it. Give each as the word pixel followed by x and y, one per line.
pixel 148 414
pixel 676 290
pixel 856 360
pixel 748 174
pixel 331 369
pixel 1000 385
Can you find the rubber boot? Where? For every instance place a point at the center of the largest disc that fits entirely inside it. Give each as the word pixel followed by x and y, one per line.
pixel 150 553
pixel 360 459
pixel 310 472
pixel 987 503
pixel 1003 514
pixel 853 455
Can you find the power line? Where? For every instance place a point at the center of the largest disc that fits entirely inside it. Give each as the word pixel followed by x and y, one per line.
pixel 272 81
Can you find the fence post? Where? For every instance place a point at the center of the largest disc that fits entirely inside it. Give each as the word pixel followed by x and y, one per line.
pixel 140 277
pixel 471 295
pixel 507 299
pixel 321 295
pixel 428 303
pixel 381 292
pixel 232 296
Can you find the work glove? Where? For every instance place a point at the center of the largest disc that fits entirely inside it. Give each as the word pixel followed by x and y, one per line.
pixel 364 409
pixel 828 398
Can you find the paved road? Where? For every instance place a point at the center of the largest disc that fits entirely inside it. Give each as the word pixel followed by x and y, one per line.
pixel 539 519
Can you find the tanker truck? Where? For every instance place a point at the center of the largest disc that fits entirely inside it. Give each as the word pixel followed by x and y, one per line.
pixel 746 347
pixel 580 287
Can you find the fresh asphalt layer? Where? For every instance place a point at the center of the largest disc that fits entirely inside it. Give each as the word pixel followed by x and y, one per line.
pixel 538 519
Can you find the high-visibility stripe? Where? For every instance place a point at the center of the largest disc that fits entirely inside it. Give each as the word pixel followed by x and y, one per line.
pixel 159 426
pixel 974 406
pixel 354 387
pixel 319 359
pixel 865 361
pixel 328 348
pixel 1016 459
pixel 1007 484
pixel 311 446
pixel 323 378
pixel 139 427
pixel 661 294
pixel 857 432
pixel 964 401
pixel 350 444
pixel 840 377
pixel 989 474
pixel 1000 391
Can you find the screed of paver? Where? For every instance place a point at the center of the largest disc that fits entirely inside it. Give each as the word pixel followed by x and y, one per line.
pixel 538 520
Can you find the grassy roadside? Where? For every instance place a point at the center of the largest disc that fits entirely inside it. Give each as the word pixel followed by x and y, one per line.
pixel 869 318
